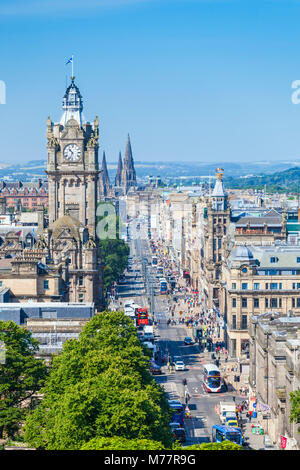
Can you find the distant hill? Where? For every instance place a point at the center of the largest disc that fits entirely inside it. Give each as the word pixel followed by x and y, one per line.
pixel 281 181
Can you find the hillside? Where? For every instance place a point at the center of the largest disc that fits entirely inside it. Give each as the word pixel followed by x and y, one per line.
pixel 281 181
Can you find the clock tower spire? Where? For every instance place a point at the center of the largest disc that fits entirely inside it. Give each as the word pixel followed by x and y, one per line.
pixel 72 166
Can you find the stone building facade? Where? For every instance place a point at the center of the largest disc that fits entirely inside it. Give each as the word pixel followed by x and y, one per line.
pixel 274 372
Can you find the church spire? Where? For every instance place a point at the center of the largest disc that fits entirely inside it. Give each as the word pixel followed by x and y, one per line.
pixel 104 172
pixel 104 183
pixel 119 171
pixel 128 159
pixel 128 176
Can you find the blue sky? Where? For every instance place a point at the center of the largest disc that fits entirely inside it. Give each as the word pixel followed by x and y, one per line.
pixel 192 80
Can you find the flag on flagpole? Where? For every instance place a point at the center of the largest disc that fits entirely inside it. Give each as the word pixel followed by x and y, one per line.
pixel 19 233
pixel 69 61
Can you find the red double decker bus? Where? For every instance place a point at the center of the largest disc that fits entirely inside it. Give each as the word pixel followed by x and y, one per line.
pixel 142 317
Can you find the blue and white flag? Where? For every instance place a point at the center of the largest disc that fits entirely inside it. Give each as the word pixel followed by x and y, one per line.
pixel 69 61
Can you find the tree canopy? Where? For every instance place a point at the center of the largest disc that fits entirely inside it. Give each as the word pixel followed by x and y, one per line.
pixel 21 375
pixel 100 387
pixel 295 407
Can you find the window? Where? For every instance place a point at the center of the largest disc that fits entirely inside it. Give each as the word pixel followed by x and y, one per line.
pixel 233 286
pixel 274 259
pixel 298 302
pixel 266 303
pixel 244 322
pixel 234 322
pixel 273 303
pixel 256 303
pixel 256 286
pixel 244 302
pixel 267 285
pixel 280 303
pixel 46 285
pixel 219 243
pixel 80 281
pixel 233 347
pixel 234 302
pixel 244 286
pixel 298 259
pixel 273 285
pixel 293 302
pixel 1 283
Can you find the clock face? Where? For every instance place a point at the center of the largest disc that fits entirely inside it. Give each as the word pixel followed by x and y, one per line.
pixel 72 153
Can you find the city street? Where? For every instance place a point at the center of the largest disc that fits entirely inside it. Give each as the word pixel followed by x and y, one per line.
pixel 170 340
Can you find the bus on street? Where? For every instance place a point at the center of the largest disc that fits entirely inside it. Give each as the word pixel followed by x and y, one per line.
pixel 227 433
pixel 212 378
pixel 154 260
pixel 142 317
pixel 163 286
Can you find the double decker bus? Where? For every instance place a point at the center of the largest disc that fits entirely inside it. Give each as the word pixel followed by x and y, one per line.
pixel 163 286
pixel 212 378
pixel 160 270
pixel 154 260
pixel 142 316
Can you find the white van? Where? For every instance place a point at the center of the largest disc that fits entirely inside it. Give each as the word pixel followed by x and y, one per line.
pixel 148 333
pixel 128 303
pixel 129 312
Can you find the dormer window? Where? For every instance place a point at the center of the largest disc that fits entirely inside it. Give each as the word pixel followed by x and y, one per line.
pixel 274 259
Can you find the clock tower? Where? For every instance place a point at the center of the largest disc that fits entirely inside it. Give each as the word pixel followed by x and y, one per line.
pixel 73 173
pixel 72 166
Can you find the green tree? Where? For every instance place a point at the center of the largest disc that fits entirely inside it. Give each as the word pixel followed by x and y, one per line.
pixel 100 386
pixel 295 408
pixel 225 445
pixel 112 250
pixel 119 443
pixel 21 375
pixel 114 254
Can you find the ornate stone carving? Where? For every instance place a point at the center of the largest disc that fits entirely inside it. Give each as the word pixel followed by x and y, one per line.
pixel 52 142
pixel 93 142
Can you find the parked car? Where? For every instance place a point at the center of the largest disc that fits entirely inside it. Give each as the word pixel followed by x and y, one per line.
pixel 188 340
pixel 179 434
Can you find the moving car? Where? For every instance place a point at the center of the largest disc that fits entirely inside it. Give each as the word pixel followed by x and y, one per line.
pixel 179 434
pixel 232 423
pixel 176 358
pixel 179 365
pixel 175 404
pixel 174 426
pixel 155 369
pixel 188 340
